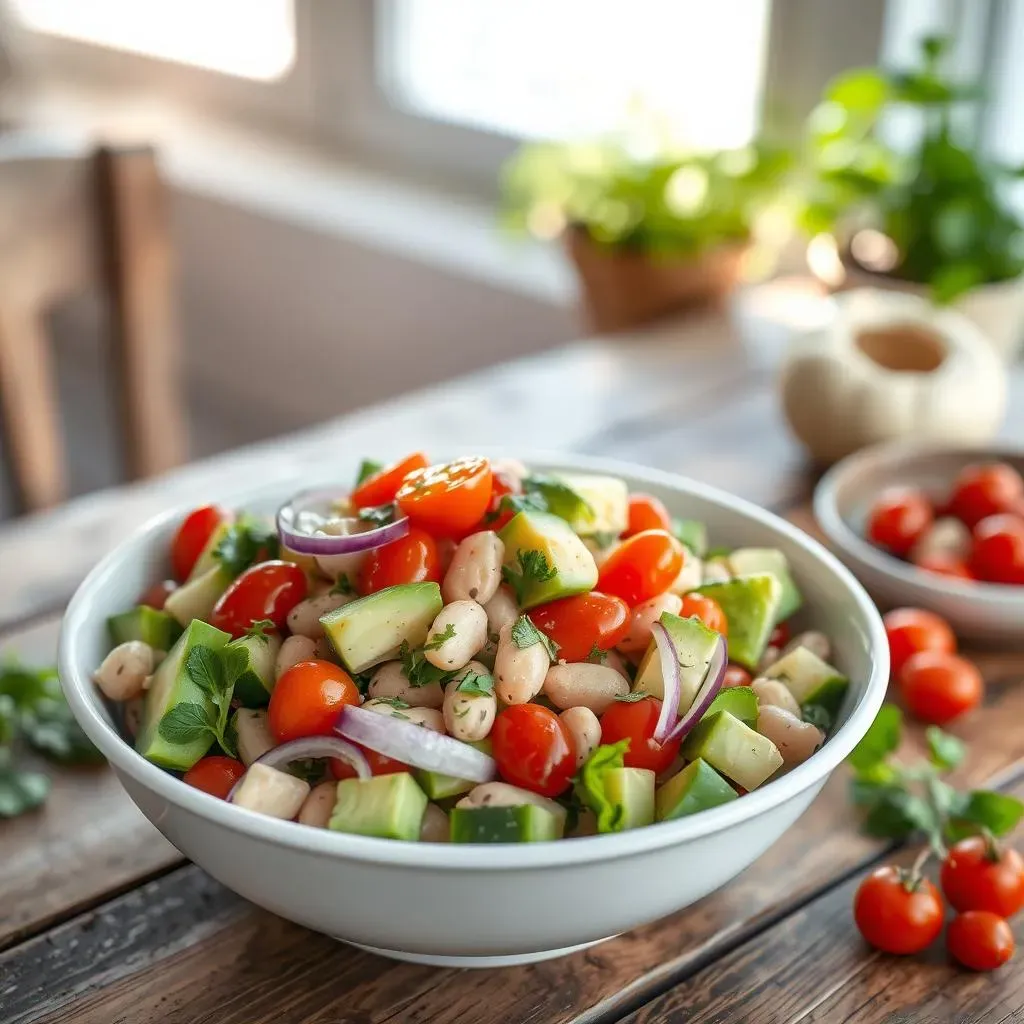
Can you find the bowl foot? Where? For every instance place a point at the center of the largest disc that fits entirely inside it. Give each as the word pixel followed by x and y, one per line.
pixel 511 960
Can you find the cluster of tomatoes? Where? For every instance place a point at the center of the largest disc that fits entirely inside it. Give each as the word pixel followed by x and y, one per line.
pixel 988 500
pixel 900 911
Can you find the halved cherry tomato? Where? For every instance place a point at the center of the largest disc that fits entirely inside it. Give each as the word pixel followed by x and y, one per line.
pixel 448 499
pixel 269 590
pixel 215 775
pixel 636 721
pixel 736 675
pixel 581 623
pixel 642 566
pixel 502 485
pixel 910 630
pixel 980 940
pixel 413 558
pixel 380 764
pixel 647 512
pixel 985 489
pixel 707 609
pixel 944 565
pixel 939 687
pixel 156 595
pixel 998 552
pixel 307 698
pixel 897 914
pixel 382 487
pixel 780 635
pixel 192 537
pixel 979 874
pixel 898 518
pixel 533 749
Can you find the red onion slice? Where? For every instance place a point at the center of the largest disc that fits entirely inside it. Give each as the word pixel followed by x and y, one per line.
pixel 300 536
pixel 706 694
pixel 415 745
pixel 672 683
pixel 311 747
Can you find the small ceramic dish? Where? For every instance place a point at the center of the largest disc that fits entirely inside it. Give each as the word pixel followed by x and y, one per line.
pixel 984 612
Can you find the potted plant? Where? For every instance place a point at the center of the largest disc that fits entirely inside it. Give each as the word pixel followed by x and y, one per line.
pixel 648 234
pixel 933 219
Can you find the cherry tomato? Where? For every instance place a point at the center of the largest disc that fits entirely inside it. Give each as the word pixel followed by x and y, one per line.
pixel 156 596
pixel 307 698
pixel 780 635
pixel 380 764
pixel 945 565
pixel 736 675
pixel 635 721
pixel 647 513
pixel 897 916
pixel 192 537
pixel 413 558
pixel 910 630
pixel 269 590
pixel 533 749
pixel 382 487
pixel 980 940
pixel 707 609
pixel 449 499
pixel 977 874
pixel 898 518
pixel 938 687
pixel 641 567
pixel 215 775
pixel 984 490
pixel 998 552
pixel 579 624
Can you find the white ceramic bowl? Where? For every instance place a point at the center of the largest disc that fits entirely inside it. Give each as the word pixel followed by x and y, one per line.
pixel 983 612
pixel 453 905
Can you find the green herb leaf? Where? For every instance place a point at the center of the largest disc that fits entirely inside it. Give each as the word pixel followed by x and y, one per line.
pixel 50 728
pixel 573 805
pixel 526 634
pixel 533 567
pixel 633 697
pixel 818 716
pixel 418 670
pixel 206 669
pixel 596 654
pixel 379 515
pixel 245 543
pixel 592 785
pixel 185 723
pixel 476 682
pixel 21 791
pixel 983 808
pixel 343 585
pixel 945 751
pixel 392 702
pixel 898 814
pixel 260 628
pixel 561 499
pixel 438 640
pixel 516 503
pixel 881 739
pixel 367 468
pixel 692 534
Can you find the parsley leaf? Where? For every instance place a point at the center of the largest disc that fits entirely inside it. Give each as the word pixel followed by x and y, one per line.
pixel 367 468
pixel 215 674
pixel 881 739
pixel 561 499
pixel 516 503
pixel 186 722
pixel 476 682
pixel 944 750
pixel 21 791
pixel 633 697
pixel 379 515
pixel 526 634
pixel 438 640
pixel 598 655
pixel 245 543
pixel 392 702
pixel 817 715
pixel 205 669
pixel 997 812
pixel 418 670
pixel 260 628
pixel 533 568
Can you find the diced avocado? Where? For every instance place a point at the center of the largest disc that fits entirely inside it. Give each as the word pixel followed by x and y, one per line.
pixel 813 682
pixel 754 561
pixel 372 628
pixel 195 599
pixel 389 806
pixel 545 559
pixel 739 701
pixel 632 791
pixel 607 501
pixel 143 623
pixel 750 604
pixel 698 787
pixel 734 749
pixel 693 534
pixel 256 683
pixel 526 823
pixel 171 687
pixel 695 644
pixel 439 787
pixel 205 562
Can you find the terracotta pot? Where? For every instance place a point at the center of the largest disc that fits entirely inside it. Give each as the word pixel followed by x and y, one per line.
pixel 626 288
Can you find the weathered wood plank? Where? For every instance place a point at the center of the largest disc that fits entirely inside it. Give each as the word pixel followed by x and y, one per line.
pixel 86 843
pixel 813 966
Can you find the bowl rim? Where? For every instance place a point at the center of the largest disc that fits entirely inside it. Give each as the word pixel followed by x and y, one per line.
pixel 77 685
pixel 851 543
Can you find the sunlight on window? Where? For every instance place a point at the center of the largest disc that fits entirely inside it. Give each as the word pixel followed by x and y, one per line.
pixel 248 38
pixel 537 69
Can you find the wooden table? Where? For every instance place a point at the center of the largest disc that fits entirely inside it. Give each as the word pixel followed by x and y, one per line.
pixel 102 921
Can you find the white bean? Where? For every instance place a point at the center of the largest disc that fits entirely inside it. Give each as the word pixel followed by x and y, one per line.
pixel 502 610
pixel 585 730
pixel 293 650
pixel 582 684
pixel 475 570
pixel 271 792
pixel 643 618
pixel 317 807
pixel 390 681
pixel 123 672
pixel 772 693
pixel 254 735
pixel 467 622
pixel 518 671
pixel 796 740
pixel 501 794
pixel 429 718
pixel 469 716
pixel 304 618
pixel 434 827
pixel 690 576
pixel 817 643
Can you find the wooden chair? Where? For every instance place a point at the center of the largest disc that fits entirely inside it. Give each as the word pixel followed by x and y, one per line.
pixel 68 223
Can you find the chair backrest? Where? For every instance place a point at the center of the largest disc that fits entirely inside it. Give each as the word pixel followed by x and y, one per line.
pixel 68 223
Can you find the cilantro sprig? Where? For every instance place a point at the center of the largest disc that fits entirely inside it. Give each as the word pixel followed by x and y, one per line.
pixel 543 493
pixel 534 567
pixel 440 639
pixel 418 670
pixel 245 543
pixel 479 683
pixel 526 634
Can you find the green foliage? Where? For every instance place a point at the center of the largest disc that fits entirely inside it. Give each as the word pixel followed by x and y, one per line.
pixel 942 203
